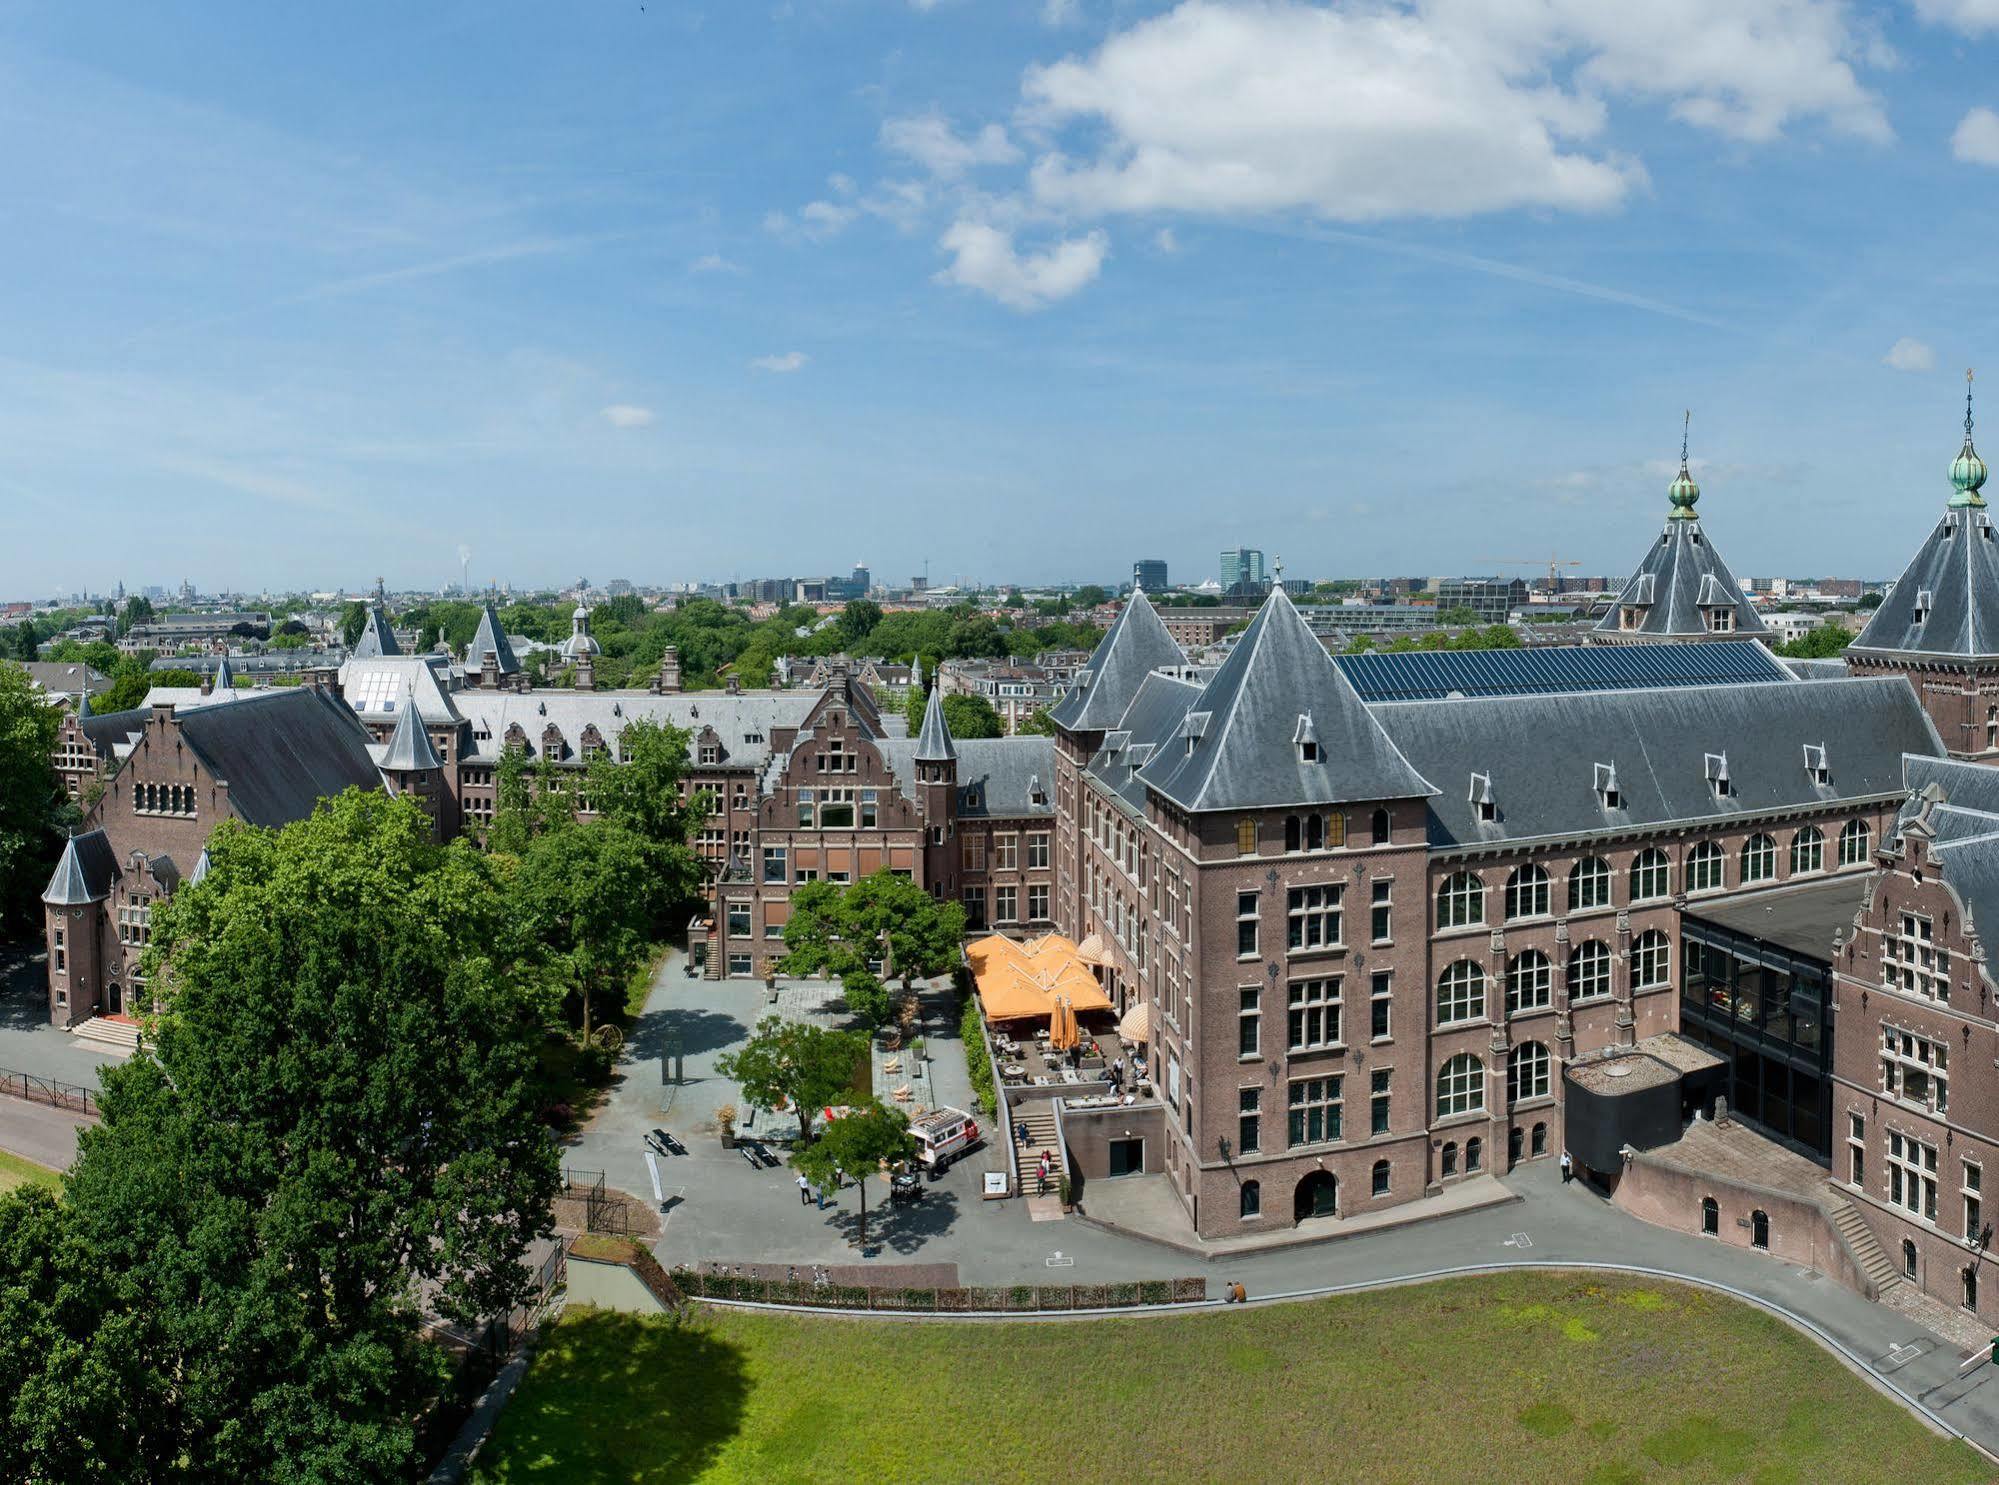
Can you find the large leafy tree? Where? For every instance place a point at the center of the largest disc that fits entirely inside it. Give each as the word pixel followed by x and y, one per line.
pixel 588 895
pixel 640 791
pixel 971 716
pixel 882 916
pixel 868 1138
pixel 796 1065
pixel 334 1120
pixel 31 804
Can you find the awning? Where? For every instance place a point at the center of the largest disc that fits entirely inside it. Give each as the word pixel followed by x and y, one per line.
pixel 1137 1023
pixel 1091 949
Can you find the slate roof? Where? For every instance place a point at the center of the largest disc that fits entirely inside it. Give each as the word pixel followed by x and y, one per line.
pixel 377 638
pixel 491 639
pixel 1543 755
pixel 1148 724
pixel 408 749
pixel 997 776
pixel 64 677
pixel 1136 645
pixel 112 733
pixel 934 746
pixel 743 722
pixel 1241 745
pixel 379 688
pixel 1680 572
pixel 85 873
pixel 281 751
pixel 1417 675
pixel 1958 804
pixel 1947 600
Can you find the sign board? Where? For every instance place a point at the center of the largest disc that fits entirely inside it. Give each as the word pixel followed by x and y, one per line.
pixel 995 1184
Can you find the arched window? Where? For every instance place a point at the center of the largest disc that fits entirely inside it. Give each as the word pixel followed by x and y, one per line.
pixel 1527 1072
pixel 1759 1229
pixel 1710 1216
pixel 1527 893
pixel 1381 1178
pixel 1651 960
pixel 1704 867
pixel 1908 1257
pixel 1461 1086
pixel 1291 840
pixel 1474 1155
pixel 1651 875
pixel 1461 993
pixel 1315 832
pixel 1855 843
pixel 1461 900
pixel 1450 1158
pixel 1380 827
pixel 1589 884
pixel 1538 1145
pixel 1808 850
pixel 1589 970
pixel 1245 837
pixel 1528 979
pixel 1252 1199
pixel 1759 859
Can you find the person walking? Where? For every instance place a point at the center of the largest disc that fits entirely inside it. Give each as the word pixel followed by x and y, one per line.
pixel 1568 1168
pixel 804 1192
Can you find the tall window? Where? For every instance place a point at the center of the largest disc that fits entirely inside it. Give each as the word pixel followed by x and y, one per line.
pixel 1808 850
pixel 1249 1021
pixel 1380 924
pixel 1855 843
pixel 1527 1072
pixel 1651 875
pixel 1037 905
pixel 1650 960
pixel 1378 1096
pixel 1528 979
pixel 1912 1175
pixel 1759 859
pixel 1248 1121
pixel 1251 1200
pixel 1006 852
pixel 1314 1014
pixel 1461 993
pixel 1379 827
pixel 1912 961
pixel 1037 852
pixel 1380 1001
pixel 1704 867
pixel 1589 884
pixel 1315 1110
pixel 1915 1069
pixel 1381 1178
pixel 1589 970
pixel 1313 916
pixel 1973 1191
pixel 1006 904
pixel 1527 893
pixel 1245 837
pixel 1460 901
pixel 1461 1086
pixel 1245 925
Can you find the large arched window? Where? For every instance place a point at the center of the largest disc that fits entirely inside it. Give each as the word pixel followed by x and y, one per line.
pixel 1292 841
pixel 1527 893
pixel 1252 1200
pixel 1855 843
pixel 1527 1072
pixel 1704 867
pixel 1461 993
pixel 1528 979
pixel 1461 1086
pixel 1650 960
pixel 1808 850
pixel 1651 875
pixel 1380 827
pixel 1461 900
pixel 1589 884
pixel 1381 1178
pixel 1589 970
pixel 1315 832
pixel 1759 859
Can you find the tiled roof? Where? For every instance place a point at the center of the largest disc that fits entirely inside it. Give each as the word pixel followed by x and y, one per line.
pixel 491 639
pixel 1137 645
pixel 934 746
pixel 1947 599
pixel 1681 574
pixel 281 751
pixel 408 749
pixel 84 874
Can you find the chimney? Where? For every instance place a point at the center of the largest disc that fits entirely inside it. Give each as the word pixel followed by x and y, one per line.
pixel 669 671
pixel 735 685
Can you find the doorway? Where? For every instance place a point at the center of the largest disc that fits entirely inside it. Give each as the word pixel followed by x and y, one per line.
pixel 1127 1158
pixel 114 1000
pixel 1318 1195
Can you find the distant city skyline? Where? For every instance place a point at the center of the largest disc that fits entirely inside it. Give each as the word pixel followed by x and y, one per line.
pixel 1012 286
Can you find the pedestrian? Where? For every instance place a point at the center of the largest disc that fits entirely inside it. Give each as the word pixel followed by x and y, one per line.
pixel 804 1191
pixel 819 1195
pixel 1237 1294
pixel 1568 1168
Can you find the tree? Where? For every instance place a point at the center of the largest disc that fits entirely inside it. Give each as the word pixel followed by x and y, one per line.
pixel 640 790
pixel 868 998
pixel 1090 596
pixel 914 700
pixel 31 805
pixel 1869 602
pixel 858 620
pixel 868 1138
pixel 1038 724
pixel 587 894
pixel 353 619
pixel 331 1124
pixel 972 716
pixel 797 1065
pixel 1828 641
pixel 1462 614
pixel 839 929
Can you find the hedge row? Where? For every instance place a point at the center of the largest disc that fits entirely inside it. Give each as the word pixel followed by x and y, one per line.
pixel 1022 1298
pixel 972 1031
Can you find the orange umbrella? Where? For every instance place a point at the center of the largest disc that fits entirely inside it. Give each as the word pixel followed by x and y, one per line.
pixel 1062 1025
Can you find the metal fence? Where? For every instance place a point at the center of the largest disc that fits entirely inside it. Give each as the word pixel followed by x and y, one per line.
pixel 48 1090
pixel 1013 1298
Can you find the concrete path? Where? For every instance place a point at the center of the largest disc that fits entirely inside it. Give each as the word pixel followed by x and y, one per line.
pixel 27 1042
pixel 43 1134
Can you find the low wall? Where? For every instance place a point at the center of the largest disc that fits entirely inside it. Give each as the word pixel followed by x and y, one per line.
pixel 1801 1231
pixel 1087 1136
pixel 610 1286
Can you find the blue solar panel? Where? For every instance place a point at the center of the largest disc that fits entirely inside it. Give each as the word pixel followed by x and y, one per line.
pixel 1421 675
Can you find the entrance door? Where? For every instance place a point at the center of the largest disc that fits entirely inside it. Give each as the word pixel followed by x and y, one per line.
pixel 1318 1195
pixel 1127 1157
pixel 114 1000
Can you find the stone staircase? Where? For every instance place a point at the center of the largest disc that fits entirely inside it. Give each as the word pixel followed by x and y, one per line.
pixel 114 1034
pixel 1038 1119
pixel 1881 1276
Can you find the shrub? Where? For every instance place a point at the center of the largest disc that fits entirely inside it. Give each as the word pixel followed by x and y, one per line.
pixel 977 1063
pixel 593 1063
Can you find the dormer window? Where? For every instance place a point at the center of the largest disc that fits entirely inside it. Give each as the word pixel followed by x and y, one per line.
pixel 1816 765
pixel 1720 620
pixel 1306 739
pixel 1482 801
pixel 1717 774
pixel 1607 791
pixel 1925 601
pixel 1631 616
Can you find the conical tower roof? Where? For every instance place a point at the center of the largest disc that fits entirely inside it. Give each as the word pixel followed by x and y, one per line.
pixel 1138 644
pixel 933 744
pixel 491 639
pixel 377 638
pixel 1278 725
pixel 224 678
pixel 409 749
pixel 84 873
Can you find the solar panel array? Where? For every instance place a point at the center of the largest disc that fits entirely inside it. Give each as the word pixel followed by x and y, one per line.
pixel 1426 675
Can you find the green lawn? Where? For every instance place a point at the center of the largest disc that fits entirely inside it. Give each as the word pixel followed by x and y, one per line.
pixel 15 1171
pixel 1520 1377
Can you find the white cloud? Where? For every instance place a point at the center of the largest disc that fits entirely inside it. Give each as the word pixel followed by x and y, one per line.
pixel 1448 109
pixel 714 263
pixel 625 415
pixel 1164 241
pixel 1972 17
pixel 1976 140
pixel 789 361
pixel 1909 354
pixel 983 257
pixel 1061 12
pixel 929 140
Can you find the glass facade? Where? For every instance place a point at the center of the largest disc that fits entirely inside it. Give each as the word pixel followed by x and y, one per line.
pixel 1763 1008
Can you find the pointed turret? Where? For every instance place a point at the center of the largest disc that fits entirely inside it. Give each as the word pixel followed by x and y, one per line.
pixel 409 749
pixel 377 638
pixel 83 875
pixel 1137 644
pixel 225 679
pixel 83 702
pixel 490 656
pixel 1280 725
pixel 933 744
pixel 1681 590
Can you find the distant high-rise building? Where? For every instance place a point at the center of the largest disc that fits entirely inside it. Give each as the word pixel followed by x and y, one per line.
pixel 1242 567
pixel 859 581
pixel 1149 573
pixel 1492 599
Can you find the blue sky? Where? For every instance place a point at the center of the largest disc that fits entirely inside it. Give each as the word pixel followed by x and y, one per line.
pixel 1021 288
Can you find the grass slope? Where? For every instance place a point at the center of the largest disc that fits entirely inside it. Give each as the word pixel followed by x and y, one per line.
pixel 1523 1377
pixel 16 1171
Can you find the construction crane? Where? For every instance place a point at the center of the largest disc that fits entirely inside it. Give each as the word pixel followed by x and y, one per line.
pixel 1553 564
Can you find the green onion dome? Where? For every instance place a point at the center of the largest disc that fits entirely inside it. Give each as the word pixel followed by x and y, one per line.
pixel 1683 492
